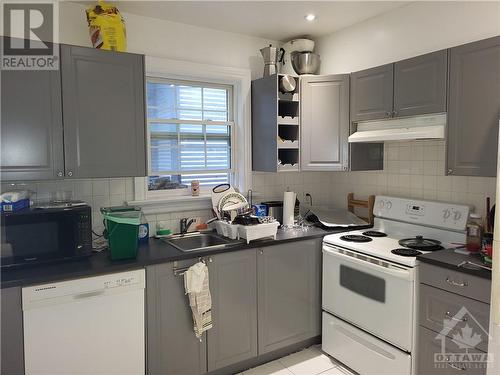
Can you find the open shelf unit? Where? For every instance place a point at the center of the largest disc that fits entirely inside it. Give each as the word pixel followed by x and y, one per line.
pixel 275 126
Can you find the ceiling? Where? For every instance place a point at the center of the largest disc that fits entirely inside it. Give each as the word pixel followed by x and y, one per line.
pixel 276 20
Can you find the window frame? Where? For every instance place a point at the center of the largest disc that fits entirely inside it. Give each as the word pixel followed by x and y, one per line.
pixel 240 79
pixel 230 123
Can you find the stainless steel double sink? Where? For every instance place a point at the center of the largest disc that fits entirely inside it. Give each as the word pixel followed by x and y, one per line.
pixel 199 241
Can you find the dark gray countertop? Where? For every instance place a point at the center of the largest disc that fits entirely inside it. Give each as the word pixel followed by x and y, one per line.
pixel 450 259
pixel 154 252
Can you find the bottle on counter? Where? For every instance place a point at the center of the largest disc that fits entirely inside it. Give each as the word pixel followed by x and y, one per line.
pixel 474 233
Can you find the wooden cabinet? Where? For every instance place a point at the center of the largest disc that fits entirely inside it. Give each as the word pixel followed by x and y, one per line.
pixel 172 347
pixel 474 108
pixel 12 348
pixel 450 304
pixel 275 126
pixel 32 130
pixel 233 286
pixel 85 120
pixel 415 86
pixel 289 293
pixel 420 84
pixel 325 123
pixel 372 93
pixel 103 108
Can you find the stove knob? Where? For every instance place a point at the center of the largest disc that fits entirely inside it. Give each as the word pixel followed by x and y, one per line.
pixel 457 216
pixel 446 214
pixel 381 204
pixel 388 205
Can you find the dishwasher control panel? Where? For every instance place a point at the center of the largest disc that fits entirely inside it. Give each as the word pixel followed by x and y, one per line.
pixel 121 281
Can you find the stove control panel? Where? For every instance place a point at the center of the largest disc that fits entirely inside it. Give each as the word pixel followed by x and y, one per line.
pixel 430 213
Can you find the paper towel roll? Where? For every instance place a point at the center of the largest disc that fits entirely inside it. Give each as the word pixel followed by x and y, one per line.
pixel 288 207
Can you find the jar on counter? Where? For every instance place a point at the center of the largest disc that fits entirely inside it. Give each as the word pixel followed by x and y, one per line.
pixel 474 233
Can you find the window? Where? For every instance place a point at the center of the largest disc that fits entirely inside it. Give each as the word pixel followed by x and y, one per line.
pixel 190 128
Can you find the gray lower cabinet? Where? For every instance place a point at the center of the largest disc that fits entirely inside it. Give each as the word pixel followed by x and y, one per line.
pixel 430 360
pixel 420 84
pixel 172 347
pixel 32 130
pixel 12 348
pixel 474 108
pixel 103 108
pixel 372 93
pixel 325 123
pixel 289 293
pixel 233 285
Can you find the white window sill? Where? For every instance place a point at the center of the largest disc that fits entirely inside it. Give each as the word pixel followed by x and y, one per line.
pixel 173 204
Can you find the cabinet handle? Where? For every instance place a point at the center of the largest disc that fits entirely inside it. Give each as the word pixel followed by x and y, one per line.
pixel 261 252
pixel 449 316
pixel 388 113
pixel 210 260
pixel 456 367
pixel 454 283
pixel 450 171
pixel 59 174
pixel 70 173
pixel 345 168
pixel 394 113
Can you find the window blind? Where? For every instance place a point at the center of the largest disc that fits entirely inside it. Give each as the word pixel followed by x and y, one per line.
pixel 190 130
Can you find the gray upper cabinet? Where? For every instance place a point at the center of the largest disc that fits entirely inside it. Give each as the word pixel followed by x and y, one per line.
pixel 172 347
pixel 420 84
pixel 289 293
pixel 372 93
pixel 233 286
pixel 12 348
pixel 325 122
pixel 32 130
pixel 474 108
pixel 103 108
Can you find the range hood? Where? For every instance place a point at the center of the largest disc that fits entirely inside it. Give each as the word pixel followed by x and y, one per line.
pixel 403 129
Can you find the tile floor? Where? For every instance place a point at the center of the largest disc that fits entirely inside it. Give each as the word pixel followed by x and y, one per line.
pixel 310 361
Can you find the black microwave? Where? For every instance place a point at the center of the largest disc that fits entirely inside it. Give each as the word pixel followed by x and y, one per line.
pixel 38 235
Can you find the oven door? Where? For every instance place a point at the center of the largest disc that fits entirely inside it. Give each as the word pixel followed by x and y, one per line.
pixel 375 295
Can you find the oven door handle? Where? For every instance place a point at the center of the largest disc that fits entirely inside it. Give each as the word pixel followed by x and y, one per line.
pixel 399 273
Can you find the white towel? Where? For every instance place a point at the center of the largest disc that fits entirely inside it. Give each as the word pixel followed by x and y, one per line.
pixel 197 288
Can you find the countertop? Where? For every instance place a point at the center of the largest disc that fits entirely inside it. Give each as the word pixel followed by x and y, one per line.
pixel 450 259
pixel 154 252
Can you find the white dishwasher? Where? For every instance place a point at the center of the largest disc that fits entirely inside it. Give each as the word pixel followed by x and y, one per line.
pixel 89 326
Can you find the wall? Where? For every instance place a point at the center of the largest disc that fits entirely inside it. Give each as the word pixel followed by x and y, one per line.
pixel 414 169
pixel 152 37
pixel 408 31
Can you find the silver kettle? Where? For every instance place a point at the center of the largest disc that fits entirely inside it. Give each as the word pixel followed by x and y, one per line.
pixel 270 56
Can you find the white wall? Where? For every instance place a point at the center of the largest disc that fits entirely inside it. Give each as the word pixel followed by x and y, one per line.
pixel 155 37
pixel 408 31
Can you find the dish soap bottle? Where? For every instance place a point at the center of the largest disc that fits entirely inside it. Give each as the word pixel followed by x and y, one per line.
pixel 474 233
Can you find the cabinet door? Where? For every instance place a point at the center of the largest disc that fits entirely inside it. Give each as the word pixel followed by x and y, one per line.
pixel 474 108
pixel 233 286
pixel 172 348
pixel 104 120
pixel 288 290
pixel 325 122
pixel 12 357
pixel 31 132
pixel 372 93
pixel 420 84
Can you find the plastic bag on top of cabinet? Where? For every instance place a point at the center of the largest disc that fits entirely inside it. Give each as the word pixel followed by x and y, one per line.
pixel 106 27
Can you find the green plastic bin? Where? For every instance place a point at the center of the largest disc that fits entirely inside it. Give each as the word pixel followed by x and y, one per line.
pixel 122 233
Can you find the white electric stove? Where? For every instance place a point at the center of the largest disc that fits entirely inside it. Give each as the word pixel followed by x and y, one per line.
pixel 369 278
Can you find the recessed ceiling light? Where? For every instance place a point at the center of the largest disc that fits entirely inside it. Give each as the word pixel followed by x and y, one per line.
pixel 310 17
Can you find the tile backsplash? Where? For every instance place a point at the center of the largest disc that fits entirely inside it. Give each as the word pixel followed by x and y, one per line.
pixel 411 169
pixel 414 169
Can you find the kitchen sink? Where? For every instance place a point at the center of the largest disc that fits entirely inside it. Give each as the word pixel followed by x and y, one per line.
pixel 199 241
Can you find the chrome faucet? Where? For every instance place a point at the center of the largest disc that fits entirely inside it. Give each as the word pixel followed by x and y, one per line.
pixel 185 223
